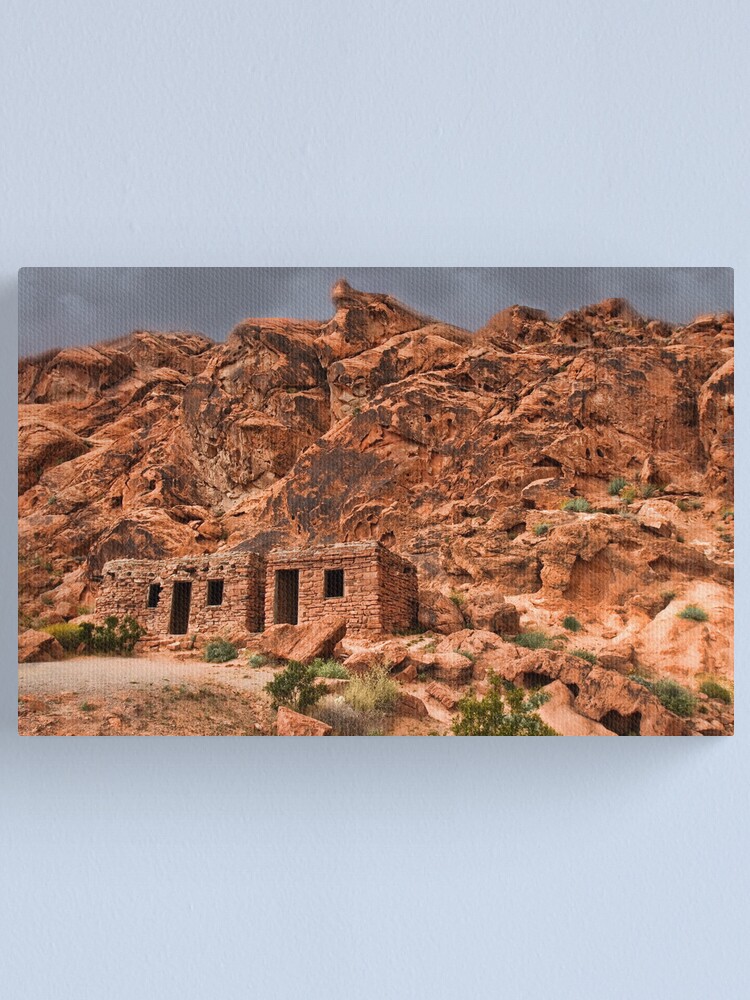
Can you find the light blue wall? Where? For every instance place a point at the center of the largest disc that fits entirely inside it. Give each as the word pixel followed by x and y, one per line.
pixel 373 134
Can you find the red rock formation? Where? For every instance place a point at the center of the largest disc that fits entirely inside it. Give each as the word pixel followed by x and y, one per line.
pixel 453 448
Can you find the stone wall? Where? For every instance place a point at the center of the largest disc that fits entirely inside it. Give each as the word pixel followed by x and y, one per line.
pixel 125 590
pixel 380 588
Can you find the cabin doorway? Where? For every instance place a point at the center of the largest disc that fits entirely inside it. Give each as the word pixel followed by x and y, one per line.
pixel 178 620
pixel 286 597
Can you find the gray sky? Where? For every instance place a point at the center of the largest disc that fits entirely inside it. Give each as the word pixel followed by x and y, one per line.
pixel 78 305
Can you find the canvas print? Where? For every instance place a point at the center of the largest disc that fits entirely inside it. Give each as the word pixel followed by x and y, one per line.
pixel 394 501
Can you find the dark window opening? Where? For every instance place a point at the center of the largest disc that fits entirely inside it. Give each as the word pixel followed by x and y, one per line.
pixel 214 593
pixel 333 583
pixel 154 593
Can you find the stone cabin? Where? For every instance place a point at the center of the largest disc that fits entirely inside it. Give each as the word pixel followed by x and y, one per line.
pixel 371 587
pixel 202 594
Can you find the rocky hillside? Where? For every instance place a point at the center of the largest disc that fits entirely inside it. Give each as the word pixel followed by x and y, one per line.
pixel 456 448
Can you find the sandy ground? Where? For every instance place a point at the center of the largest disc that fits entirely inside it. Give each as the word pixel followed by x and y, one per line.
pixel 101 675
pixel 162 694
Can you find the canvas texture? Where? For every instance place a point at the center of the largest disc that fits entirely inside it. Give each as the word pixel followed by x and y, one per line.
pixel 371 513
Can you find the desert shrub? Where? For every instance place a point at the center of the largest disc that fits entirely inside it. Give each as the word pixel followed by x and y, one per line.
pixel 648 490
pixel 571 623
pixel 690 504
pixel 68 635
pixel 674 697
pixel 541 529
pixel 504 711
pixel 219 651
pixel 458 599
pixel 534 639
pixel 727 513
pixel 373 691
pixel 468 654
pixel 628 495
pixel 715 690
pixel 295 687
pixel 640 679
pixel 585 654
pixel 694 613
pixel 616 484
pixel 344 719
pixel 257 660
pixel 329 668
pixel 578 505
pixel 671 694
pixel 114 636
pixel 668 596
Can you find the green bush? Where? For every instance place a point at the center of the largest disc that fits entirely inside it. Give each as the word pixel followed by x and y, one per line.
pixel 715 690
pixel 68 635
pixel 257 660
pixel 617 484
pixel 219 651
pixel 504 711
pixel 571 623
pixel 541 529
pixel 468 654
pixel 694 613
pixel 329 668
pixel 579 505
pixel 295 687
pixel 649 490
pixel 628 495
pixel 674 697
pixel 668 596
pixel 585 654
pixel 114 636
pixel 534 639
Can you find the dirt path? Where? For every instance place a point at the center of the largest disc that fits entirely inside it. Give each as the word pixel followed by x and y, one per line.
pixel 106 674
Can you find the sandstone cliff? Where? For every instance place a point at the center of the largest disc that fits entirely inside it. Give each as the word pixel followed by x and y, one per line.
pixel 455 448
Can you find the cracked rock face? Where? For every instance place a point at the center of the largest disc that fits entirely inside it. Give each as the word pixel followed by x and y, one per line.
pixel 457 449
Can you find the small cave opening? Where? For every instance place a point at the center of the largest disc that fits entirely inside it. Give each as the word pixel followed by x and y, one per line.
pixel 574 689
pixel 622 725
pixel 532 680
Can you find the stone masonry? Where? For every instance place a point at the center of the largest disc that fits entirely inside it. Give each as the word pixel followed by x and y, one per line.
pixel 197 594
pixel 371 587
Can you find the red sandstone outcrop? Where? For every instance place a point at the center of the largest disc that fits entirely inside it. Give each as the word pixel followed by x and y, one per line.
pixel 34 646
pixel 454 449
pixel 300 642
pixel 290 723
